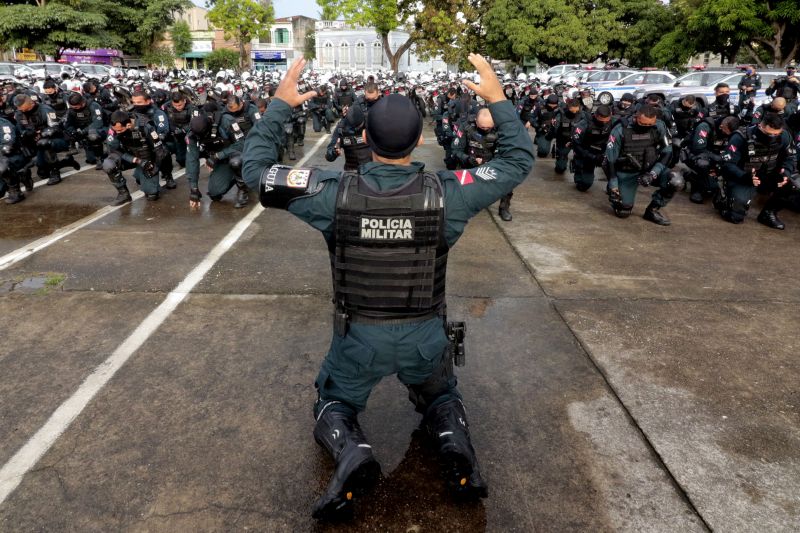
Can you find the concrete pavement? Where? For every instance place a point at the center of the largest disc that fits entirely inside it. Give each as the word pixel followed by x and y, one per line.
pixel 620 376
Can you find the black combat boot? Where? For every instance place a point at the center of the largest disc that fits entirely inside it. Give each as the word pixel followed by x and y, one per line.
pixel 55 177
pixel 169 182
pixel 505 209
pixel 26 179
pixel 356 470
pixel 242 196
pixel 448 428
pixel 696 197
pixel 770 218
pixel 123 196
pixel 15 195
pixel 653 214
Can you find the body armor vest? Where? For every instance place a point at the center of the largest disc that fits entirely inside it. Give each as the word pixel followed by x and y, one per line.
pixel 684 119
pixel 136 144
pixel 546 115
pixel 389 255
pixel 596 136
pixel 82 118
pixel 56 101
pixel 719 112
pixel 641 150
pixel 565 126
pixel 241 125
pixel 211 143
pixel 33 120
pixel 344 98
pixel 762 157
pixel 321 102
pixel 481 145
pixel 179 119
pixel 782 88
pixel 356 151
pixel 716 142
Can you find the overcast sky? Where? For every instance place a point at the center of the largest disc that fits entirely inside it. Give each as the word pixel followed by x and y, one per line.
pixel 287 8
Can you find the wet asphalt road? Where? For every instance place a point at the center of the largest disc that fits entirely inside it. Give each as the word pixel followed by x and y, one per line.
pixel 620 376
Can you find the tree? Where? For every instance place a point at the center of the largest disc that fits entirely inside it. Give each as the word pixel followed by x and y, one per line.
pixel 550 30
pixel 310 46
pixel 434 25
pixel 159 56
pixel 141 23
pixel 640 25
pixel 222 58
pixel 241 20
pixel 181 38
pixel 50 27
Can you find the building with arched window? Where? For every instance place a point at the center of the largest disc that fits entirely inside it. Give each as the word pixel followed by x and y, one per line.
pixel 341 46
pixel 283 45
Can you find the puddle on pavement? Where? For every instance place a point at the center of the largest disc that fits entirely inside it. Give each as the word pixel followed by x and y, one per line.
pixel 40 283
pixel 39 220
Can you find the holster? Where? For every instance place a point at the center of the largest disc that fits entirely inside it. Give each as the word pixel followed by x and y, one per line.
pixel 456 332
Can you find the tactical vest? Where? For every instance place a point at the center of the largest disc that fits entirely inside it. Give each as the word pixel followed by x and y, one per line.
pixel 684 119
pixel 33 120
pixel 481 145
pixel 321 101
pixel 641 150
pixel 785 90
pixel 596 137
pixel 566 124
pixel 211 143
pixel 179 119
pixel 82 117
pixel 344 98
pixel 57 102
pixel 241 125
pixel 137 144
pixel 546 115
pixel 719 112
pixel 389 254
pixel 762 157
pixel 356 151
pixel 716 142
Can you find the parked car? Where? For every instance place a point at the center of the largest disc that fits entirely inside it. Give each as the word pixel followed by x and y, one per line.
pixel 598 77
pixel 692 79
pixel 14 70
pixel 554 73
pixel 43 70
pixel 93 71
pixel 607 92
pixel 705 93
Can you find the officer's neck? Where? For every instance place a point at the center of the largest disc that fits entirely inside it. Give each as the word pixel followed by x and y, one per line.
pixel 406 161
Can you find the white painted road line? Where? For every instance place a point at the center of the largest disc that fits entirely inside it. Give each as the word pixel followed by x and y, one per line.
pixel 43 182
pixel 28 250
pixel 26 457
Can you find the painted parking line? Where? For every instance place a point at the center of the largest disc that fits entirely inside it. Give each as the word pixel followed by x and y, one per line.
pixel 43 182
pixel 29 249
pixel 26 457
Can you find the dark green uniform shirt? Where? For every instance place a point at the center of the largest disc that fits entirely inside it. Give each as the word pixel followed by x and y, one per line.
pixel 466 192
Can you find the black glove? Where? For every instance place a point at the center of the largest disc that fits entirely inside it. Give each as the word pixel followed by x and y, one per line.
pixel 646 179
pixel 330 155
pixel 7 149
pixel 212 160
pixel 149 167
pixel 194 194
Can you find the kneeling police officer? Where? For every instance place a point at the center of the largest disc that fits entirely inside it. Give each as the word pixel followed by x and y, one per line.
pixel 389 228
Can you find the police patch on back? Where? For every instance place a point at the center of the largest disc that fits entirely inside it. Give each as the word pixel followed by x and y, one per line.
pixel 391 228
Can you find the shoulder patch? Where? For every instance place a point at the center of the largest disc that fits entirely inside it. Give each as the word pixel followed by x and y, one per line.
pixel 257 115
pixel 703 133
pixel 464 177
pixel 161 118
pixel 154 135
pixel 52 116
pixel 6 129
pixel 486 173
pixel 298 178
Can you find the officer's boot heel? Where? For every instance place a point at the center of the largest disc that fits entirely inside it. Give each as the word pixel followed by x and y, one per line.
pixel 504 210
pixel 356 470
pixel 448 428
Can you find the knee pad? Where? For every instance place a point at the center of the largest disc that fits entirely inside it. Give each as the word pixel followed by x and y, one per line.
pixel 676 181
pixel 110 165
pixel 235 162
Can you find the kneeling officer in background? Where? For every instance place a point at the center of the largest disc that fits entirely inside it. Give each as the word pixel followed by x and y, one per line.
pixel 389 228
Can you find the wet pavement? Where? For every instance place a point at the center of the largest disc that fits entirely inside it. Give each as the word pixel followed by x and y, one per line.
pixel 620 376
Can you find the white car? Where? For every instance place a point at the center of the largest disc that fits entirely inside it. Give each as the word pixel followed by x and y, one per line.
pixel 555 73
pixel 605 77
pixel 701 78
pixel 607 93
pixel 93 71
pixel 705 93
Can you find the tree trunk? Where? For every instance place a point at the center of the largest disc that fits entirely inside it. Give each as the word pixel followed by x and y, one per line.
pixel 754 56
pixel 778 42
pixel 242 60
pixel 394 58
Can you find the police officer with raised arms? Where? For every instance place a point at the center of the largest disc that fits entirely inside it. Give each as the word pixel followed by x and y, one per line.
pixel 388 228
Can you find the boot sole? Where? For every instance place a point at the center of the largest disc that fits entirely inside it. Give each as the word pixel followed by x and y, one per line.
pixel 361 481
pixel 457 470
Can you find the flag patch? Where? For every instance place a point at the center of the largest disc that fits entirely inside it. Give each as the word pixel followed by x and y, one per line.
pixel 464 177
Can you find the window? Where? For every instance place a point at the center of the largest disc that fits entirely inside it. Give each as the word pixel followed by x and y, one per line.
pixel 281 36
pixel 328 59
pixel 344 54
pixel 658 78
pixel 377 54
pixel 361 54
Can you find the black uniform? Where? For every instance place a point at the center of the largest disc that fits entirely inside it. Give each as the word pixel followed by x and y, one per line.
pixel 42 134
pixel 85 126
pixel 179 126
pixel 589 140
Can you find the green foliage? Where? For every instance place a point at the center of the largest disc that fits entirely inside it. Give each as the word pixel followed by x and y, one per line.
pixel 159 56
pixel 241 20
pixel 222 58
pixel 310 46
pixel 130 25
pixel 181 38
pixel 640 25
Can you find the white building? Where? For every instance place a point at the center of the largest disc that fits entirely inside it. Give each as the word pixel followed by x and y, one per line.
pixel 284 44
pixel 340 46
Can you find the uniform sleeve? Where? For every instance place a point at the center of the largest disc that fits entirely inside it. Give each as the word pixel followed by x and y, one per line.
pixel 757 82
pixel 731 158
pixel 578 133
pixel 192 162
pixel 162 123
pixel 699 143
pixel 614 144
pixel 467 192
pixel 330 151
pixel 789 155
pixel 319 210
pixel 262 144
pixel 666 149
pixel 97 118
